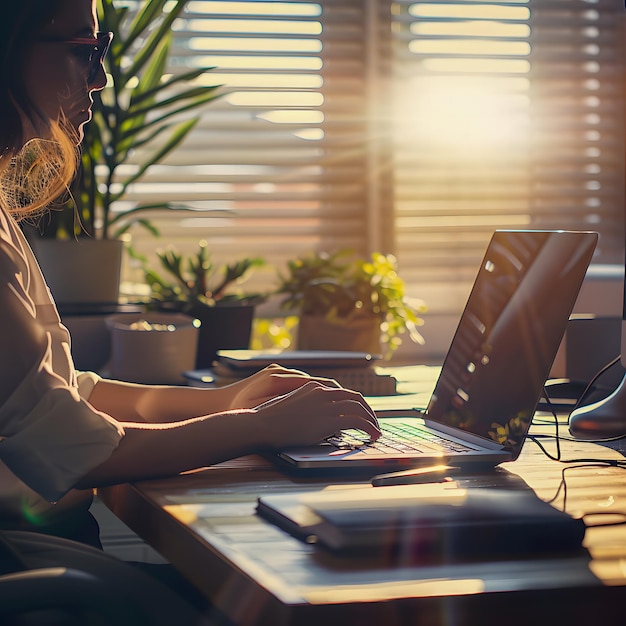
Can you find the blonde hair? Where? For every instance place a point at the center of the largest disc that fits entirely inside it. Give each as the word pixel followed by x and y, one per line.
pixel 40 172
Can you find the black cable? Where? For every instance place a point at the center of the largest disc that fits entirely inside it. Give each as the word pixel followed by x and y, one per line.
pixel 557 437
pixel 563 486
pixel 578 403
pixel 587 518
pixel 605 440
pixel 592 382
pixel 556 431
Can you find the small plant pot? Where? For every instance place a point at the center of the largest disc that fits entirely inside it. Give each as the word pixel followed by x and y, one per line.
pixel 154 348
pixel 225 326
pixel 85 271
pixel 318 333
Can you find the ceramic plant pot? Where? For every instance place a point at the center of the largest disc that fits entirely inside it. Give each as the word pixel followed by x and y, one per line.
pixel 153 348
pixel 318 333
pixel 225 326
pixel 83 271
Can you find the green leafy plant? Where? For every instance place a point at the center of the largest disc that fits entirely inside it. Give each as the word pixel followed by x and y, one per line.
pixel 197 280
pixel 343 288
pixel 140 108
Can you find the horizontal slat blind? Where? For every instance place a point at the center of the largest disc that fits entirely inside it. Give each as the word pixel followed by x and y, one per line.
pixel 277 166
pixel 409 127
pixel 507 115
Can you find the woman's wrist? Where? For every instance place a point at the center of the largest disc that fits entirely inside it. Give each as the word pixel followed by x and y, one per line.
pixel 241 431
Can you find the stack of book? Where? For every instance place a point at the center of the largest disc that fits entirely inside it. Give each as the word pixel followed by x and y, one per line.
pixel 353 370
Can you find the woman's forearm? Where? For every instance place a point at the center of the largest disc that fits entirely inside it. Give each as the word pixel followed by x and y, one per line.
pixel 303 416
pixel 128 402
pixel 157 450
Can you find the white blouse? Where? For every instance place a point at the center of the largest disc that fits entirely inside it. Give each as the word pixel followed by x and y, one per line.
pixel 50 436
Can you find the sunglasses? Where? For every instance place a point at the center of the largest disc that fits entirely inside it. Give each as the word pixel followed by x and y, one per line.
pixel 93 49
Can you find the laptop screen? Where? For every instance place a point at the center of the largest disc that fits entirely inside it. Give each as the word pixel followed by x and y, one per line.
pixel 509 333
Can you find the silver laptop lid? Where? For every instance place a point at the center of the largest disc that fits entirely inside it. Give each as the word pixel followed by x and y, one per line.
pixel 509 333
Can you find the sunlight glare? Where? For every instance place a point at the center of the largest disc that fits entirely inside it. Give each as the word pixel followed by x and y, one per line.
pixel 470 47
pixel 478 66
pixel 471 97
pixel 461 112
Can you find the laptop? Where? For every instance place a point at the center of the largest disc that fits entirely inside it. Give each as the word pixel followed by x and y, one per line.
pixel 493 375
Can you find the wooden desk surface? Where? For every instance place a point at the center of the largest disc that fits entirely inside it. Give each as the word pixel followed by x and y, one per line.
pixel 204 522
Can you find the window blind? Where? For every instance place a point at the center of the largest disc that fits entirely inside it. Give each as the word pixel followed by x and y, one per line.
pixel 507 115
pixel 278 165
pixel 409 127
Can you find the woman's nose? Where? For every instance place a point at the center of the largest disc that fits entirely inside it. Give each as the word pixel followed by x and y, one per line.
pixel 99 81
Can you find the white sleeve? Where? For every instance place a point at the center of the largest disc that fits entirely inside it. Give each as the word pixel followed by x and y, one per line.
pixel 86 382
pixel 50 436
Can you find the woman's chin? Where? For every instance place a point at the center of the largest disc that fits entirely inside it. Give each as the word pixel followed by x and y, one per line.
pixel 79 124
pixel 80 134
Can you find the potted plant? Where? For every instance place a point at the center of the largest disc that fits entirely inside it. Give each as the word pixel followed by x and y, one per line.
pixel 138 109
pixel 209 292
pixel 349 303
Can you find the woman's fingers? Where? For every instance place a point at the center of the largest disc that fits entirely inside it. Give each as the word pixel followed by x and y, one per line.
pixel 351 416
pixel 314 411
pixel 299 377
pixel 271 381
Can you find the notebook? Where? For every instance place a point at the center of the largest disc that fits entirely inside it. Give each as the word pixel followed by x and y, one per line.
pixel 422 520
pixel 493 375
pixel 353 370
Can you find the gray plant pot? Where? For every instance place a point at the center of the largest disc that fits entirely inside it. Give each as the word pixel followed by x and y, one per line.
pixel 151 347
pixel 83 271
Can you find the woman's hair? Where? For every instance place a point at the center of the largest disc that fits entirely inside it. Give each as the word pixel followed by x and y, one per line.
pixel 33 171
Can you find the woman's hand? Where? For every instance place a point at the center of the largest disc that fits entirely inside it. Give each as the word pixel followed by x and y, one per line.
pixel 129 402
pixel 307 411
pixel 312 412
pixel 269 383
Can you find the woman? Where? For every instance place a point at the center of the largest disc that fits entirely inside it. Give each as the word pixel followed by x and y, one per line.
pixel 63 431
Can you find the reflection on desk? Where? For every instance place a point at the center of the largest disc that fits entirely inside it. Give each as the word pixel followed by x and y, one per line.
pixel 204 522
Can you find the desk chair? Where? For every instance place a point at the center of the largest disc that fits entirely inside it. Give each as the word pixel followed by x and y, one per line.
pixel 49 581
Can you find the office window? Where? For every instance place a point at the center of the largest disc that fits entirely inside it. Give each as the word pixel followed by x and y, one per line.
pixel 279 165
pixel 508 115
pixel 408 127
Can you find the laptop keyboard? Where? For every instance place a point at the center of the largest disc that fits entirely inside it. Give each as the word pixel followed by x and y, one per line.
pixel 396 438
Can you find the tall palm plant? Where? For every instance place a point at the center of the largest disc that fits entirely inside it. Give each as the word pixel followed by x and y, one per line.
pixel 139 108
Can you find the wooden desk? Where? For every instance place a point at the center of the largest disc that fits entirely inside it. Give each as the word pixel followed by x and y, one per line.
pixel 205 523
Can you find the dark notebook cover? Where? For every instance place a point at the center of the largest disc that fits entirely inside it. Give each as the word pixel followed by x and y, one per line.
pixel 427 520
